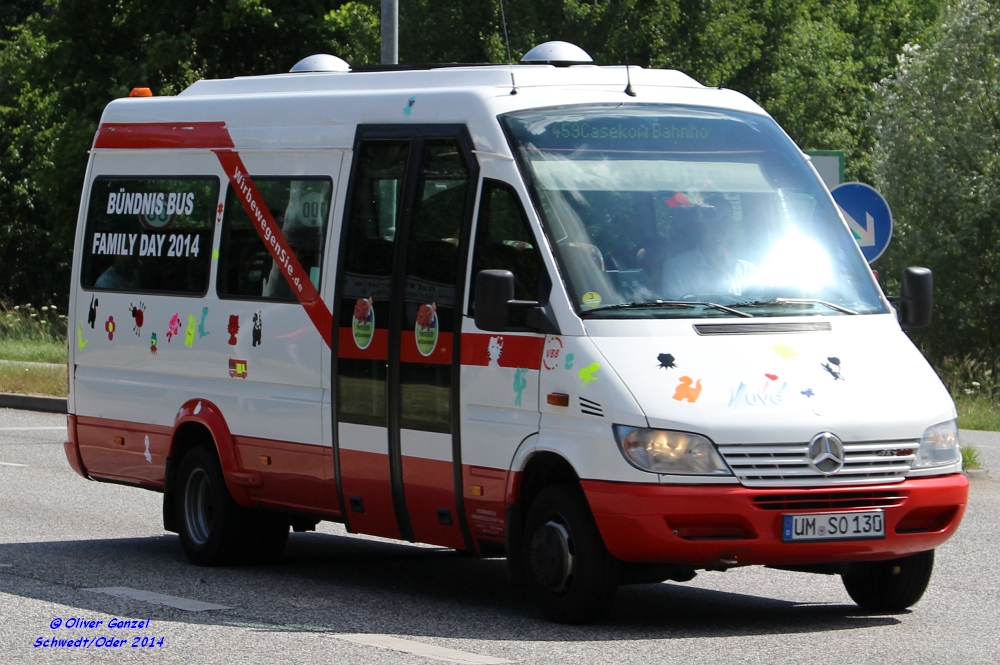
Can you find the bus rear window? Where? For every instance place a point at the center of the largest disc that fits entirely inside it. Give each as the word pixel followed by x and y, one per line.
pixel 149 235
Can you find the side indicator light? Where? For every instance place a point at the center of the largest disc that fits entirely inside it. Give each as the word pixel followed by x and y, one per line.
pixel 119 441
pixel 141 92
pixel 557 399
pixel 265 460
pixel 476 490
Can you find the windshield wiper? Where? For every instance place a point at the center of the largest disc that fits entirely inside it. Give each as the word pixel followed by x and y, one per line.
pixel 680 304
pixel 795 301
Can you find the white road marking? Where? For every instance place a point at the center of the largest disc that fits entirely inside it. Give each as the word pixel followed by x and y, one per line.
pixel 158 598
pixel 11 464
pixel 421 649
pixel 31 429
pixel 6 565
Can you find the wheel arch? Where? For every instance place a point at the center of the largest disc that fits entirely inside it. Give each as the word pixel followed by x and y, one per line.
pixel 533 470
pixel 200 422
pixel 543 468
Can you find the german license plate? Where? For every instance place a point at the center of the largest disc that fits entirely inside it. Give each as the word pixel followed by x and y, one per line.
pixel 833 526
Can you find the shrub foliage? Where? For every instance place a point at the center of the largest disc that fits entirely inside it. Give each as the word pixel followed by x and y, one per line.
pixel 812 63
pixel 938 164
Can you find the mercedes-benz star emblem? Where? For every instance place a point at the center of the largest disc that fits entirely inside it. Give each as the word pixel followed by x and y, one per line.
pixel 826 453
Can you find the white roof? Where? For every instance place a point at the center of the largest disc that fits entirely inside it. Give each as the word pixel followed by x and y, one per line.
pixel 321 110
pixel 442 77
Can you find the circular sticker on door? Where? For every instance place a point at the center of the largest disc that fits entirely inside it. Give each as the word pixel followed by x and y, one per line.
pixel 363 323
pixel 426 331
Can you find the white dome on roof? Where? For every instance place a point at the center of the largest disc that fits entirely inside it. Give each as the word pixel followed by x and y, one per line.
pixel 321 62
pixel 557 53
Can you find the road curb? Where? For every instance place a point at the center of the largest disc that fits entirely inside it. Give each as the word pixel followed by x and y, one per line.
pixel 978 474
pixel 33 403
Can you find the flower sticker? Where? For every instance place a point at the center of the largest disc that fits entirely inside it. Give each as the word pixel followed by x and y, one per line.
pixel 363 323
pixel 426 330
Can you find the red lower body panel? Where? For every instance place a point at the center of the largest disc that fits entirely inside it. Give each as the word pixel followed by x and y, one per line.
pixel 485 506
pixel 725 525
pixel 365 476
pixel 72 447
pixel 296 476
pixel 429 486
pixel 118 450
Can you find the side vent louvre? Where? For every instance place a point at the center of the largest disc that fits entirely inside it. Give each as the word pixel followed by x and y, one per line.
pixel 591 408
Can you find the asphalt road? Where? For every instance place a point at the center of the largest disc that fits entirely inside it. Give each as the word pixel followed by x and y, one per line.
pixel 338 598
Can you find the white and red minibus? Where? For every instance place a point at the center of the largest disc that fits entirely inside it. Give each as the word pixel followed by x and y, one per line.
pixel 604 321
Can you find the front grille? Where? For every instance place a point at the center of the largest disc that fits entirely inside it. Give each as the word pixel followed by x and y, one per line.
pixel 830 500
pixel 787 464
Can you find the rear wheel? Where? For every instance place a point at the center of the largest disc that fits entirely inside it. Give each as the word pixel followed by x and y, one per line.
pixel 269 536
pixel 214 529
pixel 889 586
pixel 572 576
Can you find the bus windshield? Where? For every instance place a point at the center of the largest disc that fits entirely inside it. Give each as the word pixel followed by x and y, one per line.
pixel 673 211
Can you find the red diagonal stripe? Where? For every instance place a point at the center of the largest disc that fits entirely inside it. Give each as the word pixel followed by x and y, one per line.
pixel 158 135
pixel 276 244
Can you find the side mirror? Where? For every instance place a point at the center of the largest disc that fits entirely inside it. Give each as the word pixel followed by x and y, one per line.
pixel 916 300
pixel 494 291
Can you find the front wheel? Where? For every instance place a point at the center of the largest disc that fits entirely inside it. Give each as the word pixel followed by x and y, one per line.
pixel 889 586
pixel 571 574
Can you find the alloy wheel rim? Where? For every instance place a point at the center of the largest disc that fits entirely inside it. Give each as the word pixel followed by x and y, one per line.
pixel 198 507
pixel 552 556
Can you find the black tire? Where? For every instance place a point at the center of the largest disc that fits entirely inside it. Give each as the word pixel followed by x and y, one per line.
pixel 571 575
pixel 889 586
pixel 214 529
pixel 268 537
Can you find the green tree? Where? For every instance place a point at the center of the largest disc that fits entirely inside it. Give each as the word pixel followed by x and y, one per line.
pixel 812 63
pixel 67 59
pixel 33 268
pixel 938 163
pixel 14 12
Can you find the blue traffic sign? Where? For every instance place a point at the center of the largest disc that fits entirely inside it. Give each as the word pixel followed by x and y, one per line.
pixel 867 215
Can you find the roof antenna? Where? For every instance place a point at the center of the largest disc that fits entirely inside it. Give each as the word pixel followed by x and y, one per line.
pixel 510 59
pixel 628 77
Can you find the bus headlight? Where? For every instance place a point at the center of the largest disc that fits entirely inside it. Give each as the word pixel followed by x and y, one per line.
pixel 939 446
pixel 666 451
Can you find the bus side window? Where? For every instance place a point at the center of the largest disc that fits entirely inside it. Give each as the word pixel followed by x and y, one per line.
pixel 301 209
pixel 149 235
pixel 504 241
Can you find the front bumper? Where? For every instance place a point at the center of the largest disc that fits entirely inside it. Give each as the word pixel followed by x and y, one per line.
pixel 731 525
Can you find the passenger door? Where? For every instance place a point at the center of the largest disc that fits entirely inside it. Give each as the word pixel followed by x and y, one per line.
pixel 397 367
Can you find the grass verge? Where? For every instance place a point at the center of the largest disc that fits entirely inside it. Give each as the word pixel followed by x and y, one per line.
pixel 33 350
pixel 32 334
pixel 32 379
pixel 978 412
pixel 970 458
